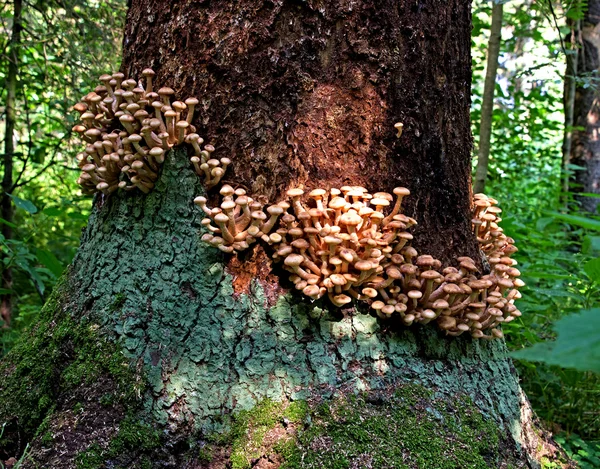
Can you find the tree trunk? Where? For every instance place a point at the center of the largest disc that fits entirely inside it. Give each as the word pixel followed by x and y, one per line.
pixel 225 367
pixel 585 147
pixel 7 158
pixel 570 89
pixel 487 104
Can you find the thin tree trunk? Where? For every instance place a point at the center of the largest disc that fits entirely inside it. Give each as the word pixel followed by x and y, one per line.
pixel 585 147
pixel 9 150
pixel 487 104
pixel 227 366
pixel 569 102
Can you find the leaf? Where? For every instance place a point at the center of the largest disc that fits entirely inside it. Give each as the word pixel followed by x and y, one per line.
pixel 6 222
pixel 592 269
pixel 591 245
pixel 588 194
pixel 577 344
pixel 33 275
pixel 23 204
pixel 53 211
pixel 50 261
pixel 584 222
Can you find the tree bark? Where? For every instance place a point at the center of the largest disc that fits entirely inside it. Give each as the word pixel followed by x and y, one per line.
pixel 570 89
pixel 225 366
pixel 487 104
pixel 585 148
pixel 7 159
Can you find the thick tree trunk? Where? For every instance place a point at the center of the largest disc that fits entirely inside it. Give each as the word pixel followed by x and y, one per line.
pixel 226 366
pixel 585 146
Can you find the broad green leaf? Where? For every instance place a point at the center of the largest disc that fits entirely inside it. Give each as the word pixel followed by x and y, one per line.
pixel 591 245
pixel 585 222
pixel 23 204
pixel 33 275
pixel 577 344
pixel 50 261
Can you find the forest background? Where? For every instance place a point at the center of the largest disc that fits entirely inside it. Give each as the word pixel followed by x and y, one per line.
pixel 64 45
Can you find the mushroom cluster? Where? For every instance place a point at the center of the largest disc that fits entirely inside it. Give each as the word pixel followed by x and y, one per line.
pixel 128 128
pixel 347 243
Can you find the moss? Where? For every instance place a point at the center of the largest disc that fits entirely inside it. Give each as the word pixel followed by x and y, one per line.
pixel 129 447
pixel 405 429
pixel 56 356
pixel 249 428
pixel 408 427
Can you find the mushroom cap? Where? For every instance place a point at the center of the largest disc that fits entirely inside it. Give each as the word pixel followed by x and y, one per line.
pixel 294 260
pixel 428 314
pixel 258 215
pixel 191 101
pixel 228 205
pixel 351 218
pixel 226 190
pixel 221 218
pixel 338 279
pixel 379 202
pixel 300 243
pixel 135 138
pixel 166 91
pixel 342 299
pixel 296 192
pixel 317 193
pixel 401 191
pixel 415 294
pixel 148 72
pixel 370 292
pixel 337 203
pixel 363 265
pixel 430 275
pixel 440 304
pixel 452 289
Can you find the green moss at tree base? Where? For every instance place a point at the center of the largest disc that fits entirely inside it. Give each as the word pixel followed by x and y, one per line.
pixel 129 448
pixel 61 366
pixel 406 427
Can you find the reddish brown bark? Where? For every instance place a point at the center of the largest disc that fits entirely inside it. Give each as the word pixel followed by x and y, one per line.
pixel 308 93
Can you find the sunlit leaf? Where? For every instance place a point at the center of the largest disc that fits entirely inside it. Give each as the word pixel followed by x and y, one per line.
pixel 23 204
pixel 577 344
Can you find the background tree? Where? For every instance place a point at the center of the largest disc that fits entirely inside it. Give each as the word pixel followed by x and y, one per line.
pixel 206 337
pixel 584 152
pixel 487 105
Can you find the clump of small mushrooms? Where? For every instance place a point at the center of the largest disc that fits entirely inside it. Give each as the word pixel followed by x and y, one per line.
pixel 128 128
pixel 349 244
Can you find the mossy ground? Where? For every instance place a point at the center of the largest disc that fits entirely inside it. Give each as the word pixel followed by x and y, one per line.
pixel 402 428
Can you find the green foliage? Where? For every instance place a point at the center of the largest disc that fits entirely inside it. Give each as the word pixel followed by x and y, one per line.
pixel 586 453
pixel 65 46
pixel 558 244
pixel 577 344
